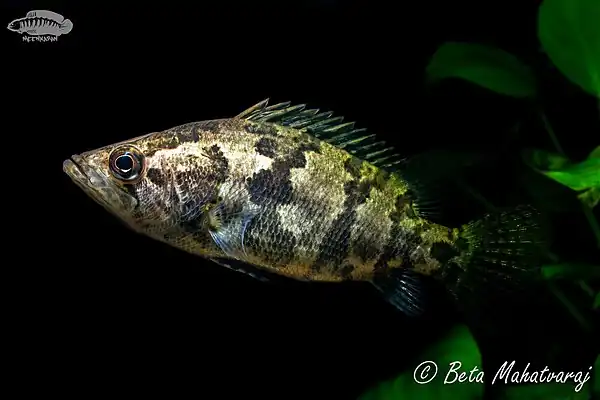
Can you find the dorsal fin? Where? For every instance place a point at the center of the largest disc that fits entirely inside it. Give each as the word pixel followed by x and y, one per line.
pixel 45 14
pixel 328 128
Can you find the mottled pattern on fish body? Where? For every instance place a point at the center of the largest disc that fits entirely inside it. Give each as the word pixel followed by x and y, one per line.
pixel 296 192
pixel 318 212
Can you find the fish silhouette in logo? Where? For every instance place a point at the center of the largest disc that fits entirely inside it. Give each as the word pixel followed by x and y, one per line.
pixel 40 23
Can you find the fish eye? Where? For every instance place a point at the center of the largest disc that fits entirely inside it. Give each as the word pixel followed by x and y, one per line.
pixel 126 164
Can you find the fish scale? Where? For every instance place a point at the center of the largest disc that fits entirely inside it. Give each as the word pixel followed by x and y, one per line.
pixel 299 193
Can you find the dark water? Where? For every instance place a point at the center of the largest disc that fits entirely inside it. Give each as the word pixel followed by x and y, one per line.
pixel 106 311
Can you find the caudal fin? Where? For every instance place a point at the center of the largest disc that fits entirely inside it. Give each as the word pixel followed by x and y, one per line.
pixel 65 27
pixel 498 255
pixel 501 253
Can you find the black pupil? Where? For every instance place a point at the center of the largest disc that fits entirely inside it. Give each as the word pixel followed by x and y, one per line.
pixel 124 163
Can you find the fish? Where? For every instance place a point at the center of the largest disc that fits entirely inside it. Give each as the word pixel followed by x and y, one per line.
pixel 288 191
pixel 41 23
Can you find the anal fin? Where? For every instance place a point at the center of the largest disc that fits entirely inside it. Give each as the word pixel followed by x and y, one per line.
pixel 403 289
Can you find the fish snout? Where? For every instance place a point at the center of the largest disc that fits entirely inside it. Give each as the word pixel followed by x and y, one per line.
pixel 102 189
pixel 77 169
pixel 71 168
pixel 13 26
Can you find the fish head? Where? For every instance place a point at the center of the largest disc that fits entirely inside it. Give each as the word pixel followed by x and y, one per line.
pixel 13 26
pixel 155 183
pixel 109 176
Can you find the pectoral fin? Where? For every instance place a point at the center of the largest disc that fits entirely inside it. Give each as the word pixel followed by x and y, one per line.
pixel 227 227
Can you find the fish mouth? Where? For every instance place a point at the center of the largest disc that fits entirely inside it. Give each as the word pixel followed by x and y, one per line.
pixel 83 175
pixel 98 186
pixel 73 168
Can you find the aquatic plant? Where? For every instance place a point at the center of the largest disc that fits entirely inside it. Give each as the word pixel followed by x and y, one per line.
pixel 569 33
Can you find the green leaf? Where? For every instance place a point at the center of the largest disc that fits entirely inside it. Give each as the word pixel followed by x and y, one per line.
pixel 541 189
pixel 582 176
pixel 561 170
pixel 544 160
pixel 489 67
pixel 549 391
pixel 570 34
pixel 571 271
pixel 457 346
pixel 597 306
pixel 591 197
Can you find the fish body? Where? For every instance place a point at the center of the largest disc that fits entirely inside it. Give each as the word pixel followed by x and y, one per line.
pixel 284 190
pixel 40 23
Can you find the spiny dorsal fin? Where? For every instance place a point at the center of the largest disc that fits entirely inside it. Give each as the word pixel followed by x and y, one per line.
pixel 327 128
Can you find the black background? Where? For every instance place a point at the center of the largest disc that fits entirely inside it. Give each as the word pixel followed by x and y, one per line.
pixel 108 311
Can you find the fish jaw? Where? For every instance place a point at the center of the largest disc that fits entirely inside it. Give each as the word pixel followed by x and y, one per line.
pixel 13 26
pixel 104 190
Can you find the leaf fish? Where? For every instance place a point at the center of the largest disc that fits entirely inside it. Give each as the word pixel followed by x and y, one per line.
pixel 40 23
pixel 283 190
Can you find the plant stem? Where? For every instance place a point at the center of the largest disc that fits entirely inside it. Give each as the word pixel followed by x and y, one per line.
pixel 570 306
pixel 553 257
pixel 586 288
pixel 593 222
pixel 586 210
pixel 551 133
pixel 476 195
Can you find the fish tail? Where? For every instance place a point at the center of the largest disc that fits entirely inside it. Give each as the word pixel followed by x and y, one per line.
pixel 500 253
pixel 496 255
pixel 65 26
